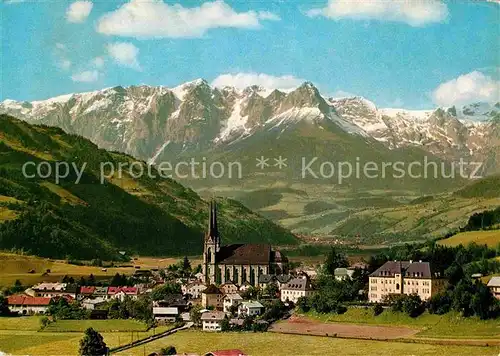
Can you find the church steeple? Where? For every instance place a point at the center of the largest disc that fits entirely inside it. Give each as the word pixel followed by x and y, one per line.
pixel 211 245
pixel 213 231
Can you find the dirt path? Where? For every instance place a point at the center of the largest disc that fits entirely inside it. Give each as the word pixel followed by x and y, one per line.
pixel 305 326
pixel 301 325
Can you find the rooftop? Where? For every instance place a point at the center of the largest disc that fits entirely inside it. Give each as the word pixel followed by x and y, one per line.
pixel 406 269
pixel 494 282
pixel 213 315
pixel 252 304
pixel 28 300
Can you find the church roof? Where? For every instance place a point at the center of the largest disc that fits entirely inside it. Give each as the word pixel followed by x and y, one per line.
pixel 244 254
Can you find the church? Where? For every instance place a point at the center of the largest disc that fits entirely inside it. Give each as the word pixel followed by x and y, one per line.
pixel 237 263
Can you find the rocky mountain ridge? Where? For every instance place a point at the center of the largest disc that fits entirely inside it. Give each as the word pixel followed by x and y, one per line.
pixel 157 122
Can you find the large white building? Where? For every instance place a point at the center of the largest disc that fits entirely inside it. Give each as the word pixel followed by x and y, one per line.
pixel 296 288
pixel 404 277
pixel 211 321
pixel 494 286
pixel 26 305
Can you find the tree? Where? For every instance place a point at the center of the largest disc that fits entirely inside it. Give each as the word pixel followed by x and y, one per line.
pixel 377 309
pixel 247 323
pixel 169 350
pixel 271 289
pixel 186 265
pixel 195 314
pixel 44 321
pixel 334 260
pixel 439 303
pixel 4 307
pixel 92 344
pixel 224 324
pixel 303 304
pixel 163 291
pixel 412 305
pixel 18 287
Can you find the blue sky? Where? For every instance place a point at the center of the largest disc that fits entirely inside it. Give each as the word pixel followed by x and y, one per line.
pixel 396 54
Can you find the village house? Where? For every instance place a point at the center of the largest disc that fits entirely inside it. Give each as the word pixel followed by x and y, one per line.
pixel 25 304
pixel 342 274
pixel 121 292
pixel 234 352
pixel 194 289
pixel 228 288
pixel 86 292
pixel 279 280
pixel 250 308
pixel 231 300
pixel 92 303
pixel 494 286
pixel 49 290
pixel 244 287
pixel 101 292
pixel 211 321
pixel 404 277
pixel 165 314
pixel 296 288
pixel 212 297
pixel 173 300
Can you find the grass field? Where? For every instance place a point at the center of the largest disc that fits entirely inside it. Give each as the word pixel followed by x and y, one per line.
pixel 20 336
pixel 490 238
pixel 99 325
pixel 256 344
pixel 450 325
pixel 14 266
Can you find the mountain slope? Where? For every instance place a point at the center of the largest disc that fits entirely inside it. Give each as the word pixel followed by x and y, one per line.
pixel 148 122
pixel 143 215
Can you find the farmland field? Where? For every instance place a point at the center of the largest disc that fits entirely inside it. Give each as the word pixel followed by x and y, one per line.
pixel 490 238
pixel 450 325
pixel 20 336
pixel 15 266
pixel 264 344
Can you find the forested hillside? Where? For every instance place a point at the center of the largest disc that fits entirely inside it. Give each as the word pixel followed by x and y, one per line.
pixel 148 216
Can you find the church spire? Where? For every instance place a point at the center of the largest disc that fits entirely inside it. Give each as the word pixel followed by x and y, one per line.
pixel 213 231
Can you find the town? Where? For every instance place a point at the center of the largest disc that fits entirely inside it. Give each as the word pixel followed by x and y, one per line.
pixel 251 287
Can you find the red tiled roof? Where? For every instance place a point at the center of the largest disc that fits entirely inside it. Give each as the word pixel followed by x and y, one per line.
pixel 27 300
pixel 234 352
pixel 126 290
pixel 130 290
pixel 87 290
pixel 113 290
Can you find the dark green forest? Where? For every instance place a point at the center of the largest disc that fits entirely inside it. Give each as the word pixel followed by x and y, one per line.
pixel 146 216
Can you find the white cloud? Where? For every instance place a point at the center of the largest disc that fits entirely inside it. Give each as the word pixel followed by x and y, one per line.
pixel 243 80
pixel 466 89
pixel 98 62
pixel 10 2
pixel 338 94
pixel 414 13
pixel 79 11
pixel 156 19
pixel 87 76
pixel 65 64
pixel 125 54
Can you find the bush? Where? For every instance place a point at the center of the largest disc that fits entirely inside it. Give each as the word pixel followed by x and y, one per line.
pixel 377 309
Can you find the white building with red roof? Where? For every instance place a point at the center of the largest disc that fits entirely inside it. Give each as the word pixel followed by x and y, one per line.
pixel 25 304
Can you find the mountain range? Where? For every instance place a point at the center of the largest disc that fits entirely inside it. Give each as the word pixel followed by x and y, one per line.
pixel 158 123
pixel 197 121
